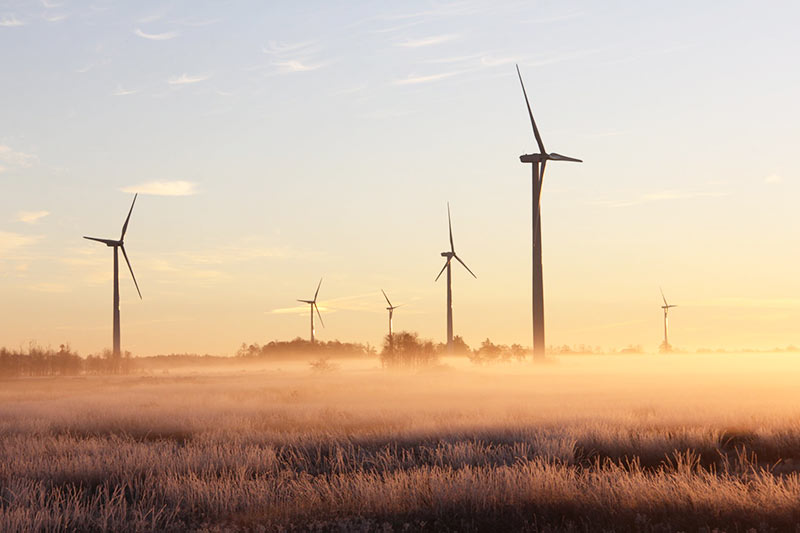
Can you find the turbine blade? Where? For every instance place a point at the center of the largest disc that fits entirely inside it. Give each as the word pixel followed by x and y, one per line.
pixel 442 270
pixel 530 113
pixel 558 157
pixel 131 269
pixel 450 228
pixel 107 242
pixel 465 266
pixel 125 226
pixel 318 314
pixel 318 286
pixel 663 297
pixel 305 301
pixel 387 298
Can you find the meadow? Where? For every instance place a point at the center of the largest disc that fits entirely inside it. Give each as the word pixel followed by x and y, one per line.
pixel 651 443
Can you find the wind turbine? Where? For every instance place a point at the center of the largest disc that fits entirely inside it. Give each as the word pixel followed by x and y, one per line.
pixel 313 304
pixel 119 245
pixel 450 255
pixel 391 309
pixel 665 347
pixel 538 177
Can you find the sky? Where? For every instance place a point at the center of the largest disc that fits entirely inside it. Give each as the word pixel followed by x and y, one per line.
pixel 276 143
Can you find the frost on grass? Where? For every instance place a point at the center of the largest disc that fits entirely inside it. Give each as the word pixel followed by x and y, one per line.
pixel 600 445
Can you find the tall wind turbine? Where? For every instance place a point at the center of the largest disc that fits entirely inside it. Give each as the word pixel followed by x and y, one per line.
pixel 538 177
pixel 313 305
pixel 450 255
pixel 119 245
pixel 391 309
pixel 665 347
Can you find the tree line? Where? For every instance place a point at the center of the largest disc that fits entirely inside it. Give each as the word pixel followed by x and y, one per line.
pixel 36 361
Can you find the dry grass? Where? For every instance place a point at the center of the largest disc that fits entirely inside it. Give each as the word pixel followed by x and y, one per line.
pixel 588 444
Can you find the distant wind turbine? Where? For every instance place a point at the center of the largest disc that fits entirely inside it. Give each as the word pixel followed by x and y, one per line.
pixel 313 305
pixel 119 245
pixel 391 309
pixel 538 178
pixel 665 347
pixel 450 255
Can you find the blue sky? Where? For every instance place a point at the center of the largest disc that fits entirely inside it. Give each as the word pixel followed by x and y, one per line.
pixel 277 143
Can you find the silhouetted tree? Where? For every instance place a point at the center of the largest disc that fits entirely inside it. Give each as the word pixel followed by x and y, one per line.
pixel 408 350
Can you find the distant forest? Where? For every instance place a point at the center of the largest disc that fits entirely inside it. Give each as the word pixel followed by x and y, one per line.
pixel 404 350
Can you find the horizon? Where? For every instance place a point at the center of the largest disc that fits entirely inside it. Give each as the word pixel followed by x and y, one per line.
pixel 272 146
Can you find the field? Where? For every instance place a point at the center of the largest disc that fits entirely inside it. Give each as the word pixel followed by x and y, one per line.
pixel 585 443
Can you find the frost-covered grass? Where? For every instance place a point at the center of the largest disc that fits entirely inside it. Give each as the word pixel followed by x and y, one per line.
pixel 586 444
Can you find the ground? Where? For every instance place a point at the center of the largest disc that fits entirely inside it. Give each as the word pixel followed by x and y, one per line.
pixel 678 442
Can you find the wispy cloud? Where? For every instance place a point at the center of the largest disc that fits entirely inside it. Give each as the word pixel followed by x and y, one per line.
pixel 156 36
pixel 124 92
pixel 660 197
pixel 31 217
pixel 295 66
pixel 772 179
pixel 294 57
pixel 427 41
pixel 15 158
pixel 164 188
pixel 11 241
pixel 278 48
pixel 54 18
pixel 185 79
pixel 413 80
pixel 10 21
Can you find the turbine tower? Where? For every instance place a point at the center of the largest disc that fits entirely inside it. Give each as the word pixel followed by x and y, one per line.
pixel 665 347
pixel 313 304
pixel 391 309
pixel 450 255
pixel 119 245
pixel 538 177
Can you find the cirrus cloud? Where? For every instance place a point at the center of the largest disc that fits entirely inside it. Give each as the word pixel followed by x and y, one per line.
pixel 164 188
pixel 10 22
pixel 156 36
pixel 31 217
pixel 185 79
pixel 427 41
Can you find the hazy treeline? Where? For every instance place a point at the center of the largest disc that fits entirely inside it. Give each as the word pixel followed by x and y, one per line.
pixel 38 361
pixel 300 349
